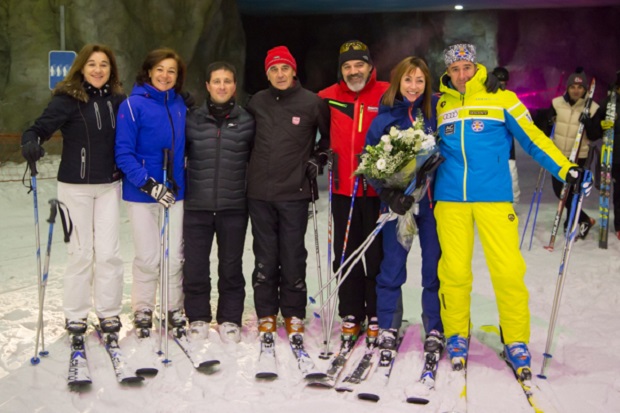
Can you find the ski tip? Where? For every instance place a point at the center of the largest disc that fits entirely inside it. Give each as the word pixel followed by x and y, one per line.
pixel 133 379
pixel 368 397
pixel 312 300
pixel 325 356
pixel 417 400
pixel 35 360
pixel 315 376
pixel 320 384
pixel 147 371
pixel 77 384
pixel 266 375
pixel 44 353
pixel 207 365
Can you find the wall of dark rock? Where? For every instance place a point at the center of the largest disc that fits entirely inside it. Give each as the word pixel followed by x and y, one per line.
pixel 202 31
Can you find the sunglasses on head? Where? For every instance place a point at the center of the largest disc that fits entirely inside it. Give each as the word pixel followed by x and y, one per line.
pixel 353 46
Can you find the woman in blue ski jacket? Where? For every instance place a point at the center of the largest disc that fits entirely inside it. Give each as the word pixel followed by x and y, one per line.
pixel 409 95
pixel 151 123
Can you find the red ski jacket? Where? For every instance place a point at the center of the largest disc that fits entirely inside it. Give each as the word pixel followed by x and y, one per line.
pixel 351 116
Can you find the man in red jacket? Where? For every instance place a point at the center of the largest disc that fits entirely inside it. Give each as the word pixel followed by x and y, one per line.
pixel 354 103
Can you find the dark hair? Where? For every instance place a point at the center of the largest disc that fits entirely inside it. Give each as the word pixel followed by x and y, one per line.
pixel 156 56
pixel 72 84
pixel 405 66
pixel 221 66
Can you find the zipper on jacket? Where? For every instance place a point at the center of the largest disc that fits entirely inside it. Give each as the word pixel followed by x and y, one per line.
pixel 97 115
pixel 218 142
pixel 112 117
pixel 360 119
pixel 172 148
pixel 463 150
pixel 83 163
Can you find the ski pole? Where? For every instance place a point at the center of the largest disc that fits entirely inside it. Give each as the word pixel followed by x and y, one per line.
pixel 563 271
pixel 537 191
pixel 164 273
pixel 606 167
pixel 37 237
pixel 331 311
pixel 542 184
pixel 39 335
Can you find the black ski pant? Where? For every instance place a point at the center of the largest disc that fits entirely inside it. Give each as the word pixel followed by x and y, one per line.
pixel 199 229
pixel 279 277
pixel 357 294
pixel 557 189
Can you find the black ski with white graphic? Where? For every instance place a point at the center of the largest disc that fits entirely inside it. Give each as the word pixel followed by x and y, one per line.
pixel 200 358
pixel 338 362
pixel 124 374
pixel 421 390
pixel 79 374
pixel 362 368
pixel 381 375
pixel 267 368
pixel 304 361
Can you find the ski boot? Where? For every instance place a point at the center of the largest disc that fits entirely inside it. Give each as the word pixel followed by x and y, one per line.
pixel 518 357
pixel 458 347
pixel 143 322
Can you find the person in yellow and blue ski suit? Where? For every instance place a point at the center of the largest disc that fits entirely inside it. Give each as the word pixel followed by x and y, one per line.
pixel 476 124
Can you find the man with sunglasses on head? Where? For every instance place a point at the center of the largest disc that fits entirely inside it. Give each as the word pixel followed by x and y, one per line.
pixel 354 103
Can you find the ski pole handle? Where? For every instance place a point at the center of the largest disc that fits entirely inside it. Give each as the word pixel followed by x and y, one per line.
pixel 33 168
pixel 53 210
pixel 166 151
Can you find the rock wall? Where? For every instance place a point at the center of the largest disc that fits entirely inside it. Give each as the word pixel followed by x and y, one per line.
pixel 201 31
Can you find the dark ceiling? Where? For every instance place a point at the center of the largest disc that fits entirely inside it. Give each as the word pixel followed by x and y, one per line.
pixel 271 7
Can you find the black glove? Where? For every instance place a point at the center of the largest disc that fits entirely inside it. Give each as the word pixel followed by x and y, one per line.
pixel 314 165
pixel 397 200
pixel 574 175
pixel 492 83
pixel 585 119
pixel 159 192
pixel 32 151
pixel 312 168
pixel 189 100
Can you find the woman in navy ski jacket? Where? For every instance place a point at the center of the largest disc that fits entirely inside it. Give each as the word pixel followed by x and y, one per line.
pixel 150 122
pixel 83 108
pixel 409 94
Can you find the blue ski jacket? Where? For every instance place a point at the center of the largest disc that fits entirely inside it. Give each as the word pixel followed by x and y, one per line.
pixel 150 121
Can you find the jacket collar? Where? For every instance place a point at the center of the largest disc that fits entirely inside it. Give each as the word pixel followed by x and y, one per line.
pixel 475 84
pixel 278 94
pixel 150 91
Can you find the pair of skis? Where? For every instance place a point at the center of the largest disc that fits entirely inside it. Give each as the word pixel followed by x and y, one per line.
pixel 267 367
pixel 79 373
pixel 606 163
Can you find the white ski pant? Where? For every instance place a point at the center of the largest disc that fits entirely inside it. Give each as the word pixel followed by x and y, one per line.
pixel 94 263
pixel 146 229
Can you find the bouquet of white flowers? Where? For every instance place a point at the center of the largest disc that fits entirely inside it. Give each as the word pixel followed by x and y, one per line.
pixel 393 162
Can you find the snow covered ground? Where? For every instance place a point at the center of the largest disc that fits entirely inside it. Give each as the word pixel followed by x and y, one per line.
pixel 582 374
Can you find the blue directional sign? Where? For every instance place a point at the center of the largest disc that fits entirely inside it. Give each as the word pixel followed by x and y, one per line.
pixel 60 62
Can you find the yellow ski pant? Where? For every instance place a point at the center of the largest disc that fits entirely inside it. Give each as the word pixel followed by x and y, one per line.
pixel 497 226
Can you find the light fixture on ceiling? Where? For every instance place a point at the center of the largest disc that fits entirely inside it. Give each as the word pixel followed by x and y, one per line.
pixel 458 7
